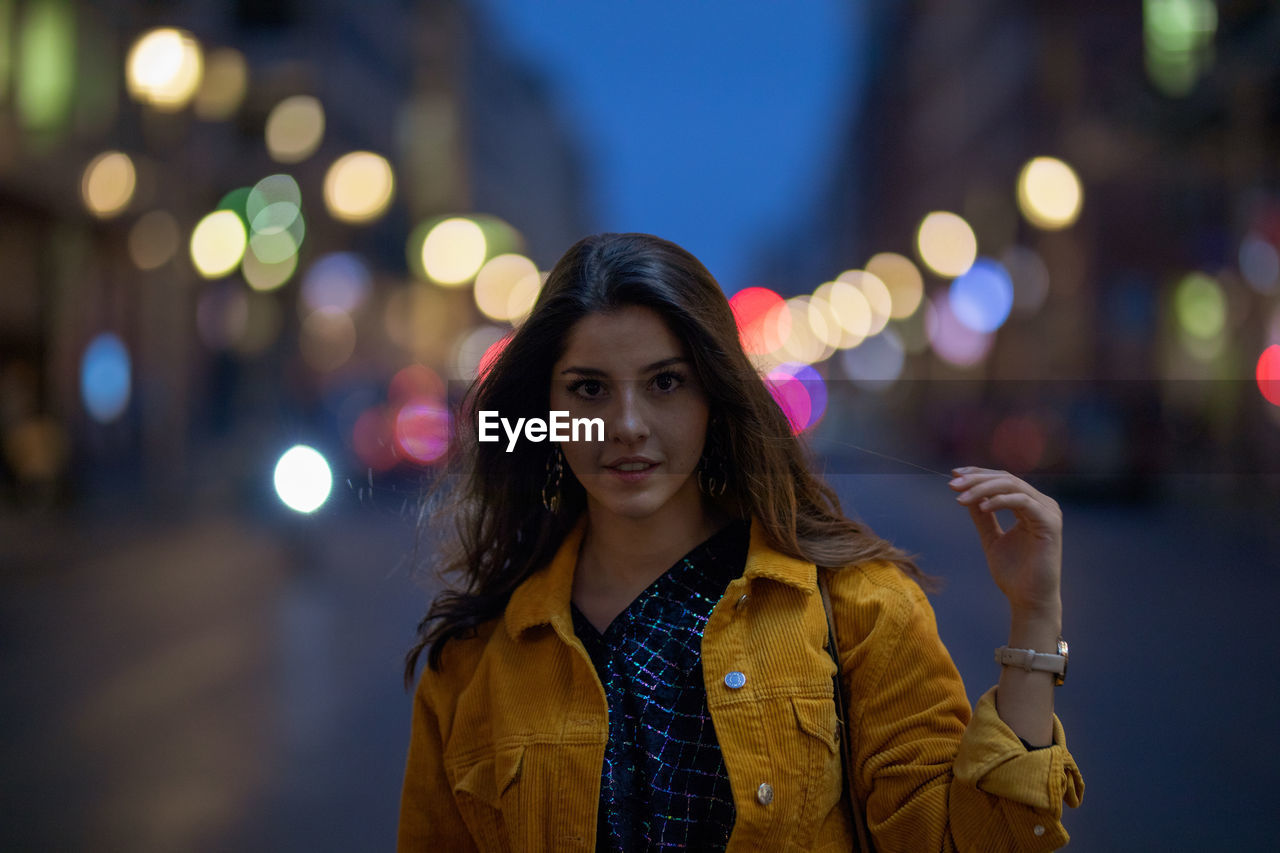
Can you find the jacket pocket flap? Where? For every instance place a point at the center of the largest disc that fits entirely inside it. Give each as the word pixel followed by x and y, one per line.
pixel 817 717
pixel 490 776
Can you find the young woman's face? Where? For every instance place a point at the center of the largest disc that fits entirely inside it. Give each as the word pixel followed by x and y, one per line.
pixel 627 368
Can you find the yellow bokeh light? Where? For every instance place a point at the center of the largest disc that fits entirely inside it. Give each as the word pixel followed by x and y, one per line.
pixel 805 343
pixel 453 251
pixel 165 67
pixel 1049 193
pixel 524 296
pixel 153 240
pixel 824 323
pixel 108 183
pixel 902 277
pixel 876 292
pixel 263 275
pixel 850 308
pixel 497 281
pixel 218 243
pixel 295 128
pixel 946 244
pixel 226 78
pixel 358 187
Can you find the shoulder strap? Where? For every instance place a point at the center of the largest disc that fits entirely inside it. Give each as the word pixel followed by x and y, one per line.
pixel 861 840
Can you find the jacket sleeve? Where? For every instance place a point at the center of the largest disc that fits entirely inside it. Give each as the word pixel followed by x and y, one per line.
pixel 932 775
pixel 429 817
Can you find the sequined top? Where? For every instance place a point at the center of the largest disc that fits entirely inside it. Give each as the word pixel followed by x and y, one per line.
pixel 664 784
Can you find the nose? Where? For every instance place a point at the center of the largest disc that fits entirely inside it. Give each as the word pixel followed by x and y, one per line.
pixel 629 423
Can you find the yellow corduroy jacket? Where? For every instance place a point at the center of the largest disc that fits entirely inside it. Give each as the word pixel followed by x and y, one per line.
pixel 508 738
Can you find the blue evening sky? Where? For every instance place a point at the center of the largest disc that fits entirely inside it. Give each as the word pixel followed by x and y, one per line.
pixel 708 123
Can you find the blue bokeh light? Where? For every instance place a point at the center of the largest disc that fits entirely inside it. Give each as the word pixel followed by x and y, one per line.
pixel 982 297
pixel 105 378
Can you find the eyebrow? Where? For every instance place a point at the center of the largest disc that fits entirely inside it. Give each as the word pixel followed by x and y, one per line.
pixel 595 371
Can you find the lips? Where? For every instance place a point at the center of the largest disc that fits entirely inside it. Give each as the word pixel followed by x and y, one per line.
pixel 631 468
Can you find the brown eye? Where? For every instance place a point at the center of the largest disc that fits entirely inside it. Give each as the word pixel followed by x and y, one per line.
pixel 668 381
pixel 588 389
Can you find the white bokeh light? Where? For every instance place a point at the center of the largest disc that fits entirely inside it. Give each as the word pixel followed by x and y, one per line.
pixel 303 479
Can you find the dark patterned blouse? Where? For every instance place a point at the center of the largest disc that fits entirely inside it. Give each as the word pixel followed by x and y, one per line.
pixel 664 784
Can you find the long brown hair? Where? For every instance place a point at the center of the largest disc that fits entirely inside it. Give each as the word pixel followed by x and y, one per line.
pixel 502 533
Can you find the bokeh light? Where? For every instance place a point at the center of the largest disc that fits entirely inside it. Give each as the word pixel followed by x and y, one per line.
pixel 1178 42
pixel 496 282
pixel 273 209
pixel 45 83
pixel 264 276
pixel 154 240
pixel 876 293
pixel 226 79
pixel 849 309
pixel 218 243
pixel 358 187
pixel 422 431
pixel 752 307
pixel 1049 193
pixel 339 281
pixel 105 378
pixel 303 479
pixel 415 381
pixel 108 183
pixel 1268 374
pixel 901 276
pixel 295 128
pixel 1200 306
pixel 453 251
pixel 877 362
pixel 328 339
pixel 953 341
pixel 983 296
pixel 524 296
pixel 1259 263
pixel 472 348
pixel 164 68
pixel 800 392
pixel 946 244
pixel 805 344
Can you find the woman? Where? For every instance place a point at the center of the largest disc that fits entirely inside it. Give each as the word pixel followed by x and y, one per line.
pixel 637 658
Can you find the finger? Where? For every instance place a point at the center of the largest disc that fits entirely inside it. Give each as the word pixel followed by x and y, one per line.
pixel 988 526
pixel 974 487
pixel 1026 508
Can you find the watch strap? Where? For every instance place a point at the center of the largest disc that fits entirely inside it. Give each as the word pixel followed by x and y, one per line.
pixel 1031 660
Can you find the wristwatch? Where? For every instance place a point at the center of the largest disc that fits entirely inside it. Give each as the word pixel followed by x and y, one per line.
pixel 1039 661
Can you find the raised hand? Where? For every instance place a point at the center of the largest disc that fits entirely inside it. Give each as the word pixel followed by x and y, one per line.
pixel 1025 560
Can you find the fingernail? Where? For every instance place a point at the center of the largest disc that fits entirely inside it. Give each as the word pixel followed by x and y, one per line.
pixel 957 481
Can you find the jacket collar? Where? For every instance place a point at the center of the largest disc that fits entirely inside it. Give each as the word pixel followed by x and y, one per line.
pixel 545 595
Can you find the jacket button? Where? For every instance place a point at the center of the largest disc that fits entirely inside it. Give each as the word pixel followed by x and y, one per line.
pixel 1038 830
pixel 764 794
pixel 734 680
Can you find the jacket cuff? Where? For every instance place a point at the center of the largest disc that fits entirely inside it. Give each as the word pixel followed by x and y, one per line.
pixel 994 760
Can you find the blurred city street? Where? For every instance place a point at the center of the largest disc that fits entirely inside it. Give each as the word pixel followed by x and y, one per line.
pixel 253 254
pixel 202 683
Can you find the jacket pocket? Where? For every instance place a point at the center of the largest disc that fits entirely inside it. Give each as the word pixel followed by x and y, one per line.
pixel 817 718
pixel 480 788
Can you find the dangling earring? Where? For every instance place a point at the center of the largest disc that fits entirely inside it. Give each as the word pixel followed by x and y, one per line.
pixel 551 488
pixel 712 479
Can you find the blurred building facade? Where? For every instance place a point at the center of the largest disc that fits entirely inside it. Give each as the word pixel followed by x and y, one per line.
pixel 214 362
pixel 1131 347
